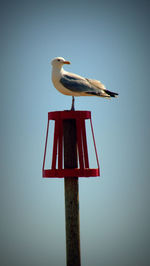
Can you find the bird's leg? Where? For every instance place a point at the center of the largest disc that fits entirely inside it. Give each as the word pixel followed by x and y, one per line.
pixel 72 106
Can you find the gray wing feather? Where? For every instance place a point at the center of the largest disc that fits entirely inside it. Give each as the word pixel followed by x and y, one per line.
pixel 75 84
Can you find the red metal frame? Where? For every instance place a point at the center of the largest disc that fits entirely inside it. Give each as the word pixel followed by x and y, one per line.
pixel 83 170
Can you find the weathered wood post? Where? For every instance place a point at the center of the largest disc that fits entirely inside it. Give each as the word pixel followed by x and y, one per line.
pixel 71 195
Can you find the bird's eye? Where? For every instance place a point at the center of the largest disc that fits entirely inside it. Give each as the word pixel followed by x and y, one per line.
pixel 58 60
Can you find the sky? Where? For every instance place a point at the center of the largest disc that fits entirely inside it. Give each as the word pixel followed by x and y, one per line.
pixel 104 40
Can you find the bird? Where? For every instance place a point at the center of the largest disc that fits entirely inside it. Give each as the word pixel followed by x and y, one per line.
pixel 75 85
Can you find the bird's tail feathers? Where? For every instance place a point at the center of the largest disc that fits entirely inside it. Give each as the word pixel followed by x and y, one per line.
pixel 103 93
pixel 112 94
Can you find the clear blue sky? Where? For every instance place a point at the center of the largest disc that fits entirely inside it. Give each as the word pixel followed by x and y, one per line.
pixel 105 40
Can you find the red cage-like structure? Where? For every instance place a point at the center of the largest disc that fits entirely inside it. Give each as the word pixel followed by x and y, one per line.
pixel 57 164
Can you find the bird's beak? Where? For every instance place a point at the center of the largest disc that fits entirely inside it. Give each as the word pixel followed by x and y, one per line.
pixel 67 62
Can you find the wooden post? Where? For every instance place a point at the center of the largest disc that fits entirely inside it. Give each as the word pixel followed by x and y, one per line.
pixel 71 195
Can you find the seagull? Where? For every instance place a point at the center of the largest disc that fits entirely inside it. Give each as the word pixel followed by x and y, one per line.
pixel 75 85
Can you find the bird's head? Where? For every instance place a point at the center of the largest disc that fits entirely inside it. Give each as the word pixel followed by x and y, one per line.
pixel 59 62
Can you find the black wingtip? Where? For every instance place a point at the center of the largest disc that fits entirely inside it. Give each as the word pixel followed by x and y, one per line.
pixel 112 94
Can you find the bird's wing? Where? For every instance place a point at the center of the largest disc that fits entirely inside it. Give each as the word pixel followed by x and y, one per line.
pixel 75 83
pixel 78 84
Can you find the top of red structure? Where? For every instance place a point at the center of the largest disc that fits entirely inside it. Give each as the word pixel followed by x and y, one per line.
pixel 69 115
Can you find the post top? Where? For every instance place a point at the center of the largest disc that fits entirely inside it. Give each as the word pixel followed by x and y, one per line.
pixel 69 115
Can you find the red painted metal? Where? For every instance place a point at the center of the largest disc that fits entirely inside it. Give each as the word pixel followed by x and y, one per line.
pixel 83 170
pixel 45 144
pixel 60 159
pixel 55 146
pixel 79 142
pixel 85 150
pixel 95 145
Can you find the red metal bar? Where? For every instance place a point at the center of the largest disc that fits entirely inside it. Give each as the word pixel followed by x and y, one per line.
pixel 85 150
pixel 95 146
pixel 45 144
pixel 79 143
pixel 69 115
pixel 52 173
pixel 60 144
pixel 55 144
